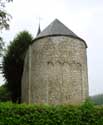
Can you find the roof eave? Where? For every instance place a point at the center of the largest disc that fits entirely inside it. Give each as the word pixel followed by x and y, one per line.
pixel 40 37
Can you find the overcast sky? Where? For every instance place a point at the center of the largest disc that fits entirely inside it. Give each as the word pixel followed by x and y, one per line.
pixel 83 17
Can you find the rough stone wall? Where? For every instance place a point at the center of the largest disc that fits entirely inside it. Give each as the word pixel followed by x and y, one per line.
pixel 25 80
pixel 56 72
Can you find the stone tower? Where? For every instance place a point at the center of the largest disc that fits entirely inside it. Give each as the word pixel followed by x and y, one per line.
pixel 55 69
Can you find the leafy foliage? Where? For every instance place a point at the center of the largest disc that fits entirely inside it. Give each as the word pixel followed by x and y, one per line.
pixel 97 99
pixel 86 114
pixel 13 62
pixel 4 93
pixel 4 20
pixel 4 16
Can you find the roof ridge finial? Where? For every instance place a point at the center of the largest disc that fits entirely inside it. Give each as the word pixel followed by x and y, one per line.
pixel 39 30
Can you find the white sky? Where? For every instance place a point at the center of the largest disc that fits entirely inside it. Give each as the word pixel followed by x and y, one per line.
pixel 83 17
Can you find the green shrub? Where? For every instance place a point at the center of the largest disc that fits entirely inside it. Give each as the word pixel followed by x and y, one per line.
pixel 97 99
pixel 4 93
pixel 85 114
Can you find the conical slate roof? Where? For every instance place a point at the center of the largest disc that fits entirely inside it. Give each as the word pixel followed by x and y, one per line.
pixel 56 28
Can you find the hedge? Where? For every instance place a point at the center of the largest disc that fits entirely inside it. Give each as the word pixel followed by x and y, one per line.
pixel 22 114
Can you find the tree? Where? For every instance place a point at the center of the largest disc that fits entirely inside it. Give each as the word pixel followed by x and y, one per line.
pixel 97 99
pixel 13 62
pixel 4 19
pixel 4 16
pixel 4 94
